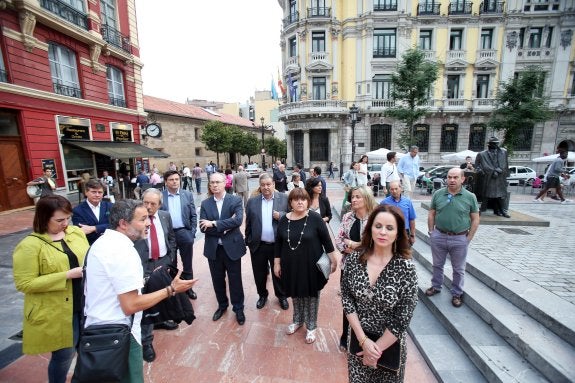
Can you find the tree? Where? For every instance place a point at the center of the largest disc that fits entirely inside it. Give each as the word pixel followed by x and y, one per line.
pixel 411 86
pixel 217 138
pixel 520 103
pixel 249 145
pixel 275 147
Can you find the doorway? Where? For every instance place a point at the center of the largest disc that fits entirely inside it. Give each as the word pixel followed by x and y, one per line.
pixel 13 176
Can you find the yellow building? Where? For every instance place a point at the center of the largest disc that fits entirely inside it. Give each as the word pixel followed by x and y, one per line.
pixel 337 53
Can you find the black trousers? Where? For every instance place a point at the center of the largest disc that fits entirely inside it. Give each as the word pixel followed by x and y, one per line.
pixel 345 326
pixel 262 262
pixel 221 266
pixel 185 244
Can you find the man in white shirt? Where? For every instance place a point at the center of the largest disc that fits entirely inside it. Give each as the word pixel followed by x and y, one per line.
pixel 186 174
pixel 389 172
pixel 408 168
pixel 114 278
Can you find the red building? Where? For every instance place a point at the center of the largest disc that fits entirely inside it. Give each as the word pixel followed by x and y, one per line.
pixel 70 93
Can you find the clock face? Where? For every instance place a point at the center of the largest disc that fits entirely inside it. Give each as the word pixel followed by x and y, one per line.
pixel 153 130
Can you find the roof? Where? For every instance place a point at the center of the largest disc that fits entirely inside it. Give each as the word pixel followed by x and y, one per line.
pixel 160 105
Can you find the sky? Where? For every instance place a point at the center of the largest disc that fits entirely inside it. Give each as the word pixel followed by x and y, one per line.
pixel 210 50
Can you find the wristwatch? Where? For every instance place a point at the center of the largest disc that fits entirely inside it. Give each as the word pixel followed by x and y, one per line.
pixel 214 224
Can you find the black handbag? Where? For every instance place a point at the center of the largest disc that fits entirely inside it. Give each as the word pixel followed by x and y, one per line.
pixel 390 358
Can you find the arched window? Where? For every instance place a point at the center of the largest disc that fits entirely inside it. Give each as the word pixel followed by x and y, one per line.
pixel 380 136
pixel 477 137
pixel 448 138
pixel 421 137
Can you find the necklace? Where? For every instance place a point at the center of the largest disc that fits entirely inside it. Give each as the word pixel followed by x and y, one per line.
pixel 300 235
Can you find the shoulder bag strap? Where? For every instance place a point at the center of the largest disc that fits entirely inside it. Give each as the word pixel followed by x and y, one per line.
pixel 49 243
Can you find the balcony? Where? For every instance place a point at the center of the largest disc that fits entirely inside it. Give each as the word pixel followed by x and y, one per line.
pixel 384 53
pixel 318 12
pixel 388 6
pixel 117 101
pixel 114 37
pixel 65 90
pixel 382 104
pixel 454 103
pixel 459 8
pixel 486 54
pixel 66 12
pixel 456 57
pixel 427 9
pixel 318 56
pixel 491 7
pixel 483 104
pixel 291 18
pixel 311 107
pixel 429 55
pixel 3 76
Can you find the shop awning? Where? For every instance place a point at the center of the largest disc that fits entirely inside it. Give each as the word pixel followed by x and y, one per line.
pixel 116 150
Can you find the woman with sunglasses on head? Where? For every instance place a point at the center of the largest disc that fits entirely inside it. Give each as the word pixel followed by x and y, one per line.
pixel 379 295
pixel 349 236
pixel 318 203
pixel 47 269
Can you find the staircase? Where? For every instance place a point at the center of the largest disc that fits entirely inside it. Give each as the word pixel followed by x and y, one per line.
pixel 508 330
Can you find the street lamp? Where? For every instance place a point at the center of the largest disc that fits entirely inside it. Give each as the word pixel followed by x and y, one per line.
pixel 353 111
pixel 263 126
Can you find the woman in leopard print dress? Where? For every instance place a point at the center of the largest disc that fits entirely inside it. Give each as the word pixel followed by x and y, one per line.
pixel 379 294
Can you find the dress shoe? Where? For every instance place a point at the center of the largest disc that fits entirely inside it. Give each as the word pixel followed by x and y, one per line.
pixel 167 325
pixel 284 303
pixel 218 314
pixel 148 353
pixel 192 294
pixel 261 302
pixel 240 317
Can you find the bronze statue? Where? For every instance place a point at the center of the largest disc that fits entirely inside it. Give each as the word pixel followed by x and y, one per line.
pixel 492 170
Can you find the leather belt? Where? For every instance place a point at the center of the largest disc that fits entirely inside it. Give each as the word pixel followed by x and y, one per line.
pixel 267 243
pixel 465 232
pixel 179 228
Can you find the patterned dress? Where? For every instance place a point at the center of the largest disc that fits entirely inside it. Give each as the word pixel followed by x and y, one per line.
pixel 388 304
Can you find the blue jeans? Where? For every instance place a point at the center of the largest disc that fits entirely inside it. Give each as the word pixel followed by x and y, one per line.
pixel 456 246
pixel 62 358
pixel 198 183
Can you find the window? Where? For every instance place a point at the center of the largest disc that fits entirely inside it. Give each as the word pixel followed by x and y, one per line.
pixel 63 70
pixel 108 12
pixel 3 74
pixel 293 91
pixel 453 86
pixel 549 37
pixel 477 137
pixel 457 6
pixel 318 42
pixel 534 38
pixel 421 137
pixel 76 4
pixel 382 87
pixel 573 85
pixel 385 5
pixel 115 86
pixel 198 152
pixel 455 39
pixel 318 145
pixel 486 38
pixel 380 136
pixel 448 138
pixel 197 134
pixel 524 138
pixel 298 146
pixel 483 86
pixel 384 43
pixel 318 88
pixel 292 50
pixel 425 39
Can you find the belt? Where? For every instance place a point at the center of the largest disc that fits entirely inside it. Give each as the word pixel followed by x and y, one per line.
pixel 179 228
pixel 452 233
pixel 267 243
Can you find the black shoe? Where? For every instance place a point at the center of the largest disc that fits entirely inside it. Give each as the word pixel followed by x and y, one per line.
pixel 505 214
pixel 167 325
pixel 261 302
pixel 192 294
pixel 148 353
pixel 218 314
pixel 240 317
pixel 284 303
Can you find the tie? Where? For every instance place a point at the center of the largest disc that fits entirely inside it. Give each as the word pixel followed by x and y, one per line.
pixel 154 240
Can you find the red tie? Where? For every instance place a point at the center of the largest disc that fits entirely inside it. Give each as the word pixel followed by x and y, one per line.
pixel 154 240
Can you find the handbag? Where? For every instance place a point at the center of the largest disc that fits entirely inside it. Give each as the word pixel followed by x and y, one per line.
pixel 324 265
pixel 390 358
pixel 103 350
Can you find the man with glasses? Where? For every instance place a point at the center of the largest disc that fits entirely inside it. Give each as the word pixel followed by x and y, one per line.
pixel 92 214
pixel 452 222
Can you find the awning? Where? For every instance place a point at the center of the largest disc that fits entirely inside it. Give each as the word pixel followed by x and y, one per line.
pixel 116 150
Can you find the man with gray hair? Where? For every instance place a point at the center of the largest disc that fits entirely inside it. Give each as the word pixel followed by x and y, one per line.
pixel 240 184
pixel 408 168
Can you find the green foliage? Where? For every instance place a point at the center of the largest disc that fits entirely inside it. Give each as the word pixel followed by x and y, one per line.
pixel 520 104
pixel 411 86
pixel 275 147
pixel 217 137
pixel 248 145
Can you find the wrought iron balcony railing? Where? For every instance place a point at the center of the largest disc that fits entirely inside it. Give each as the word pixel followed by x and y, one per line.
pixel 3 75
pixel 460 8
pixel 115 38
pixel 385 7
pixel 383 52
pixel 491 6
pixel 65 90
pixel 291 18
pixel 428 9
pixel 66 12
pixel 117 101
pixel 319 12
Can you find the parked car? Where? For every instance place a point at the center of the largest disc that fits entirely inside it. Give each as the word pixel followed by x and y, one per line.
pixel 254 170
pixel 438 171
pixel 520 175
pixel 374 168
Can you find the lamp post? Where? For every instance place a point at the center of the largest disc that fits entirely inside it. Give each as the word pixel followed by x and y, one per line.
pixel 353 111
pixel 264 127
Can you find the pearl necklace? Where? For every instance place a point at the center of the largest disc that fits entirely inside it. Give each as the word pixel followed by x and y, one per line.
pixel 300 236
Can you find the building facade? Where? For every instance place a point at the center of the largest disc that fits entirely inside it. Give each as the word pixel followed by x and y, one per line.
pixel 70 93
pixel 336 53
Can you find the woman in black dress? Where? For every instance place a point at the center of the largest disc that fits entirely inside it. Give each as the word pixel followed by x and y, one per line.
pixel 379 294
pixel 302 237
pixel 318 202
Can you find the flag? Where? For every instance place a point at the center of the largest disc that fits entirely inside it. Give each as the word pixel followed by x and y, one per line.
pixel 274 91
pixel 280 84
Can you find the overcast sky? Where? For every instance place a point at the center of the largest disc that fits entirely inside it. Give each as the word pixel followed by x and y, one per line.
pixel 213 50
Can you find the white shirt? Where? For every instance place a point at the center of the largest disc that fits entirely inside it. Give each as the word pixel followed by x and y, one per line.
pixel 186 171
pixel 114 268
pixel 95 209
pixel 267 219
pixel 160 235
pixel 389 172
pixel 219 205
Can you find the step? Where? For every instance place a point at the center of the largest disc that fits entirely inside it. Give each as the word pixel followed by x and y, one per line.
pixel 443 355
pixel 490 353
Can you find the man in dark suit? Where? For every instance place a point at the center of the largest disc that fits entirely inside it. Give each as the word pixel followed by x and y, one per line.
pixel 92 214
pixel 280 178
pixel 158 249
pixel 180 204
pixel 262 215
pixel 221 215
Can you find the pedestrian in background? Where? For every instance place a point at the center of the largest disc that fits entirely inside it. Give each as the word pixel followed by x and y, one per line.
pixel 47 268
pixel 197 177
pixel 240 184
pixel 229 181
pixel 92 214
pixel 330 171
pixel 552 177
pixel 186 177
pixel 45 183
pixel 318 203
pixel 298 168
pixel 280 178
pixel 408 168
pixel 452 221
pixel 397 199
pixel 389 172
pixel 295 182
pixel 362 173
pixel 315 172
pixel 349 182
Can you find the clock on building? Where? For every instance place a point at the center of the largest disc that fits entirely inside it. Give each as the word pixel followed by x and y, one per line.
pixel 153 130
